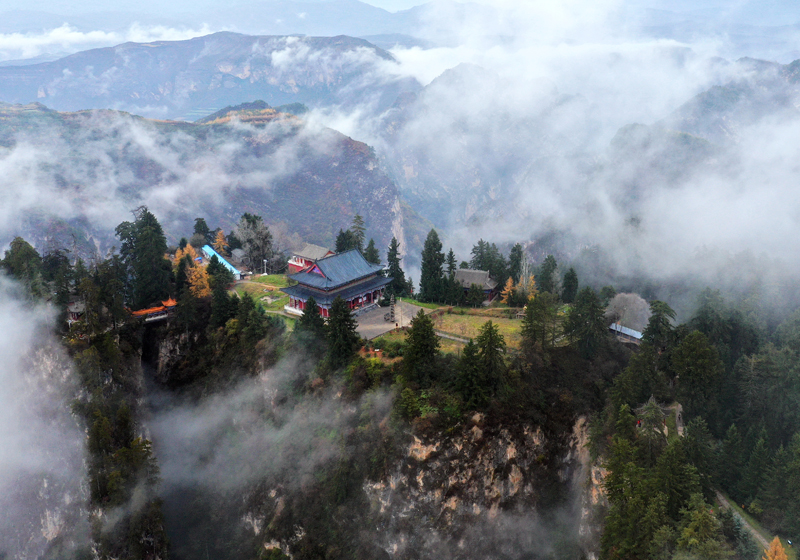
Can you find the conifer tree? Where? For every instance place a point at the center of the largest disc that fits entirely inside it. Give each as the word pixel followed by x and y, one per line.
pixel 471 382
pixel 570 286
pixel 586 323
pixel 515 258
pixel 546 279
pixel 430 282
pixel 341 332
pixel 371 254
pixel 399 286
pixel 451 264
pixel 311 324
pixel 197 278
pixel 659 327
pixel 422 346
pixel 491 352
pixel 358 230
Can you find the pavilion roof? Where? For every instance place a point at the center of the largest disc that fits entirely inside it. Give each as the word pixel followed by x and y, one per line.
pixel 302 292
pixel 336 270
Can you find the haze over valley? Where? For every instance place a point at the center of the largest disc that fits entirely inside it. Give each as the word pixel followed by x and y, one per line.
pixel 552 248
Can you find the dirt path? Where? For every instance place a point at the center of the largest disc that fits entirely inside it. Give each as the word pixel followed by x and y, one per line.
pixel 724 502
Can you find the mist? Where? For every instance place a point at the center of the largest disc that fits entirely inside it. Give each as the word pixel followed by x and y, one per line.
pixel 42 494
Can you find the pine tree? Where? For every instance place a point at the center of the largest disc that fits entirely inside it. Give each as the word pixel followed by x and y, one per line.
pixel 475 296
pixel 143 249
pixel 399 286
pixel 515 258
pixel 359 231
pixel 659 328
pixel 538 324
pixel 451 264
pixel 341 332
pixel 371 254
pixel 430 283
pixel 471 382
pixel 222 307
pixel 586 323
pixel 570 286
pixel 491 352
pixel 311 324
pixel 345 241
pixel 546 278
pixel 23 263
pixel 422 346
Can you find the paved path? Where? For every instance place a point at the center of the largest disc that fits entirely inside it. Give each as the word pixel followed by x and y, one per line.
pixel 372 324
pixel 725 503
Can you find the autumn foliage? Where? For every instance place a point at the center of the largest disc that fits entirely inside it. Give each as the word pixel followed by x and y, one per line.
pixel 775 551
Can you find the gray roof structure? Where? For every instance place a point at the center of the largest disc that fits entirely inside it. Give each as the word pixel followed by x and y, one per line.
pixel 325 299
pixel 336 270
pixel 312 252
pixel 467 277
pixel 617 328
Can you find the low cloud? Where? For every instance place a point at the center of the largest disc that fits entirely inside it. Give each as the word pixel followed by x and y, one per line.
pixel 41 463
pixel 69 39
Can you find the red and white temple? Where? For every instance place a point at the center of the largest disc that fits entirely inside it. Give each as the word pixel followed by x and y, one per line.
pixel 347 275
pixel 307 256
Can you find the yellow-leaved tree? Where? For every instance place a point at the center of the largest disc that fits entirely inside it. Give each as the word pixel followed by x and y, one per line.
pixel 180 253
pixel 528 285
pixel 508 290
pixel 197 276
pixel 220 243
pixel 775 551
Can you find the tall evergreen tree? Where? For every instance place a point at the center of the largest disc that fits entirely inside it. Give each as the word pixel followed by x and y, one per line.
pixel 515 262
pixel 311 324
pixel 430 283
pixel 659 327
pixel 359 232
pixel 471 381
pixel 539 322
pixel 342 336
pixel 371 254
pixel 586 323
pixel 546 279
pixel 399 285
pixel 143 251
pixel 491 353
pixel 569 288
pixel 451 264
pixel 345 241
pixel 422 346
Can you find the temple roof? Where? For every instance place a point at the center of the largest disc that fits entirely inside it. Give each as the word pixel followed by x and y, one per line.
pixel 302 292
pixel 467 278
pixel 336 270
pixel 312 252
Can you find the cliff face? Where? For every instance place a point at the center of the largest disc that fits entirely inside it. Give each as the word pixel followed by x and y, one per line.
pixel 486 491
pixel 42 490
pixel 82 173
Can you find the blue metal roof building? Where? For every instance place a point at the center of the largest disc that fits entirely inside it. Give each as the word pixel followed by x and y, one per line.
pixel 209 252
pixel 626 333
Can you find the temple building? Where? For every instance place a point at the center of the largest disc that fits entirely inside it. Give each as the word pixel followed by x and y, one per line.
pixel 306 256
pixel 347 275
pixel 467 277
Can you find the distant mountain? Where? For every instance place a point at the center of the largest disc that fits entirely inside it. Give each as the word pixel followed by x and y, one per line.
pixel 190 79
pixel 762 89
pixel 70 178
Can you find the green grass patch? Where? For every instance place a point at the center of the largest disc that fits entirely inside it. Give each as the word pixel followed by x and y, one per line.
pixel 277 280
pixel 468 326
pixel 422 304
